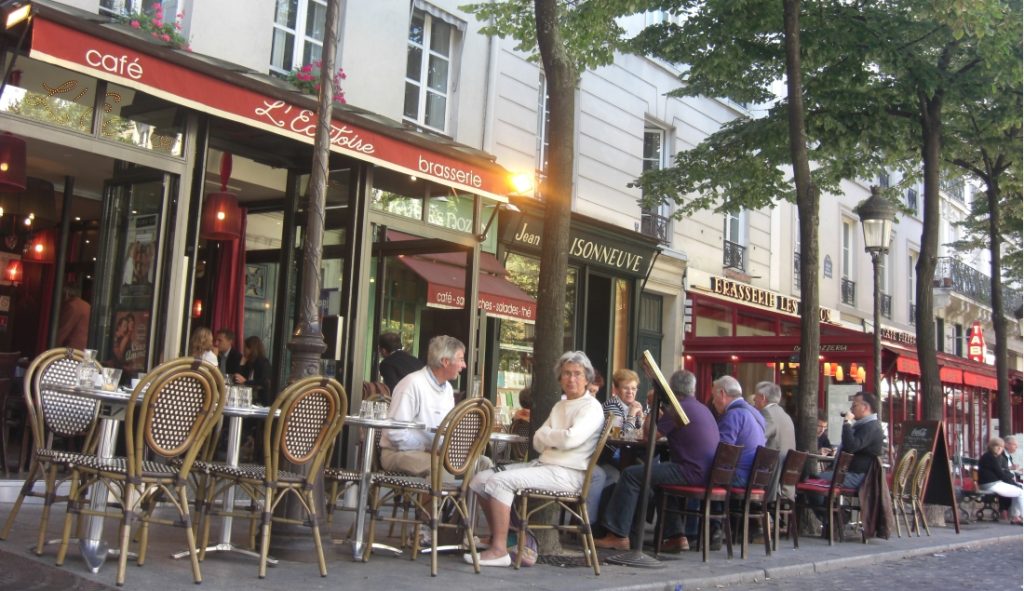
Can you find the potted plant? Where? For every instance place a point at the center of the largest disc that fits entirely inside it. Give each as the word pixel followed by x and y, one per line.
pixel 307 80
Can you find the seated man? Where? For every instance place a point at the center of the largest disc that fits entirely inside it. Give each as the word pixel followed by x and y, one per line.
pixel 424 396
pixel 692 450
pixel 994 477
pixel 566 442
pixel 863 437
pixel 739 423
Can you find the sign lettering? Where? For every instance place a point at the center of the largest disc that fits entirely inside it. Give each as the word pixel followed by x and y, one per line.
pixel 976 343
pixel 586 246
pixel 748 294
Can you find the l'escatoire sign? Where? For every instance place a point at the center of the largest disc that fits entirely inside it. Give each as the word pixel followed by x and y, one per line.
pixel 78 51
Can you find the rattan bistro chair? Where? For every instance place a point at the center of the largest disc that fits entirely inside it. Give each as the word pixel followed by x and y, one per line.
pixel 299 429
pixel 899 492
pixel 53 414
pixel 754 497
pixel 917 487
pixel 532 503
pixel 169 415
pixel 458 444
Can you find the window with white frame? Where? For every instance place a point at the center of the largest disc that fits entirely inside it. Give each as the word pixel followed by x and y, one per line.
pixel 911 286
pixel 298 34
pixel 654 221
pixel 847 256
pixel 543 119
pixel 796 249
pixel 428 70
pixel 124 7
pixel 734 242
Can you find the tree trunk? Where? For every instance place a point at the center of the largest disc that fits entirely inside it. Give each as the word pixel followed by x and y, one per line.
pixel 556 191
pixel 807 206
pixel 931 146
pixel 998 318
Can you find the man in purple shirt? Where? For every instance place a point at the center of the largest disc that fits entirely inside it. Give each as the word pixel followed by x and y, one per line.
pixel 739 423
pixel 692 449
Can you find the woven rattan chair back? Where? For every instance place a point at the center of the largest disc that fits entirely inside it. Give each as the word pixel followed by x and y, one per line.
pixel 609 420
pixel 460 439
pixel 172 411
pixel 302 423
pixel 58 413
pixel 920 480
pixel 519 451
pixel 901 475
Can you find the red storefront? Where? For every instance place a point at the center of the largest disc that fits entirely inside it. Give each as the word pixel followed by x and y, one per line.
pixel 754 334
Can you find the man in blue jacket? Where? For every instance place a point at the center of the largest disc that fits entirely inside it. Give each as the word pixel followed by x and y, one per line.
pixel 739 423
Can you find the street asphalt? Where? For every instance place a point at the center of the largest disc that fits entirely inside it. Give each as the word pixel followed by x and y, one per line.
pixel 21 570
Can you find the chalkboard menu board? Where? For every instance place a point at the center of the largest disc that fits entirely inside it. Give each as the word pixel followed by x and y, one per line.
pixel 929 437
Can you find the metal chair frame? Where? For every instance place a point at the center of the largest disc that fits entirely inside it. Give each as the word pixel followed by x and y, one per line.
pixel 458 443
pixel 718 488
pixel 170 415
pixel 53 414
pixel 300 429
pixel 571 504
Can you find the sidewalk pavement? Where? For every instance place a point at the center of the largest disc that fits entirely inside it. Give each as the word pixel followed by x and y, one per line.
pixel 23 570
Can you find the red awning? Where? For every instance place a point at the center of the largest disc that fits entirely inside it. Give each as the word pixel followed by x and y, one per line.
pixel 498 296
pixel 973 379
pixel 951 375
pixel 908 365
pixel 88 47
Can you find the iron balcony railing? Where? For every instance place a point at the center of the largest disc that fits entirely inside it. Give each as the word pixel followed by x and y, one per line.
pixel 796 270
pixel 913 314
pixel 951 273
pixel 849 292
pixel 655 225
pixel 886 305
pixel 734 255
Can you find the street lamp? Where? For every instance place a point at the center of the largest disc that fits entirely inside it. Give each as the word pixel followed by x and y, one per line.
pixel 876 217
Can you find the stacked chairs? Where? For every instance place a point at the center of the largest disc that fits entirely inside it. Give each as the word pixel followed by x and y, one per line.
pixel 458 444
pixel 299 429
pixel 917 487
pixel 832 490
pixel 755 494
pixel 51 415
pixel 573 504
pixel 170 416
pixel 716 492
pixel 899 492
pixel 783 506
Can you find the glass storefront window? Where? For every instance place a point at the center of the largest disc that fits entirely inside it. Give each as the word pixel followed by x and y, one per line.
pixel 399 194
pixel 141 120
pixel 748 325
pixel 50 95
pixel 712 321
pixel 455 212
pixel 621 315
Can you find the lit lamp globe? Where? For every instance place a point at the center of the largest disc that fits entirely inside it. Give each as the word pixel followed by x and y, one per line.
pixel 877 216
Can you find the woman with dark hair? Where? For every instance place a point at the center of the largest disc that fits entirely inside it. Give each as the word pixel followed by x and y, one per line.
pixel 255 370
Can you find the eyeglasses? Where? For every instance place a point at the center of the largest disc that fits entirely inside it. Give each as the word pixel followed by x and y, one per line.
pixel 575 375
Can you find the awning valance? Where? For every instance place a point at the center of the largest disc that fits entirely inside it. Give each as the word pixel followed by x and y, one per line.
pixel 497 296
pixel 106 53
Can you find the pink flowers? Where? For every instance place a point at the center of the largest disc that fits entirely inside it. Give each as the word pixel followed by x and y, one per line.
pixel 152 21
pixel 307 79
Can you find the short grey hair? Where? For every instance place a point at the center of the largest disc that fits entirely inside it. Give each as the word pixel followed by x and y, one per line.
pixel 579 358
pixel 729 385
pixel 683 383
pixel 442 347
pixel 770 390
pixel 1008 439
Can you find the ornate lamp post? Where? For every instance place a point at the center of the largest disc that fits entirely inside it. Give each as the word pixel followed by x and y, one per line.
pixel 876 217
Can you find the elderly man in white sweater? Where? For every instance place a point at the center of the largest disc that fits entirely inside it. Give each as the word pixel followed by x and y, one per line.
pixel 566 442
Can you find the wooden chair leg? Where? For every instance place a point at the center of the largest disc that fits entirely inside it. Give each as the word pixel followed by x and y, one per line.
pixel 127 506
pixel 267 522
pixel 374 505
pixel 314 521
pixel 49 492
pixel 73 495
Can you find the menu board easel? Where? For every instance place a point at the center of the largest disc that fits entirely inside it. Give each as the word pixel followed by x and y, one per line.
pixel 929 436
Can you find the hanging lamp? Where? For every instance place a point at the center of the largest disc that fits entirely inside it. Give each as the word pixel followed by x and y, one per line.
pixel 222 218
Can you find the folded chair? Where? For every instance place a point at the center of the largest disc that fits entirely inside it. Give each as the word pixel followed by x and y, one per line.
pixel 715 493
pixel 458 443
pixel 782 506
pixel 917 488
pixel 531 505
pixel 899 492
pixel 51 415
pixel 169 416
pixel 299 429
pixel 832 490
pixel 754 497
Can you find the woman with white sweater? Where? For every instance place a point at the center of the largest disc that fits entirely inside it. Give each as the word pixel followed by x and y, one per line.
pixel 566 442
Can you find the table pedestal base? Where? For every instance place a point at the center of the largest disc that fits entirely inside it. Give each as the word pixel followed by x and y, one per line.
pixel 226 547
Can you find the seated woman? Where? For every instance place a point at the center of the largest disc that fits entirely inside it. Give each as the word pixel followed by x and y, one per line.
pixel 995 478
pixel 255 371
pixel 201 345
pixel 623 403
pixel 566 441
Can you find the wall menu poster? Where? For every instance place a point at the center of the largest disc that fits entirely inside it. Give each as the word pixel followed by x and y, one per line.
pixel 130 339
pixel 139 268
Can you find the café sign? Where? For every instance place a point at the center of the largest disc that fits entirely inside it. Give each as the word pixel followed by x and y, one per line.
pixel 748 294
pixel 590 247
